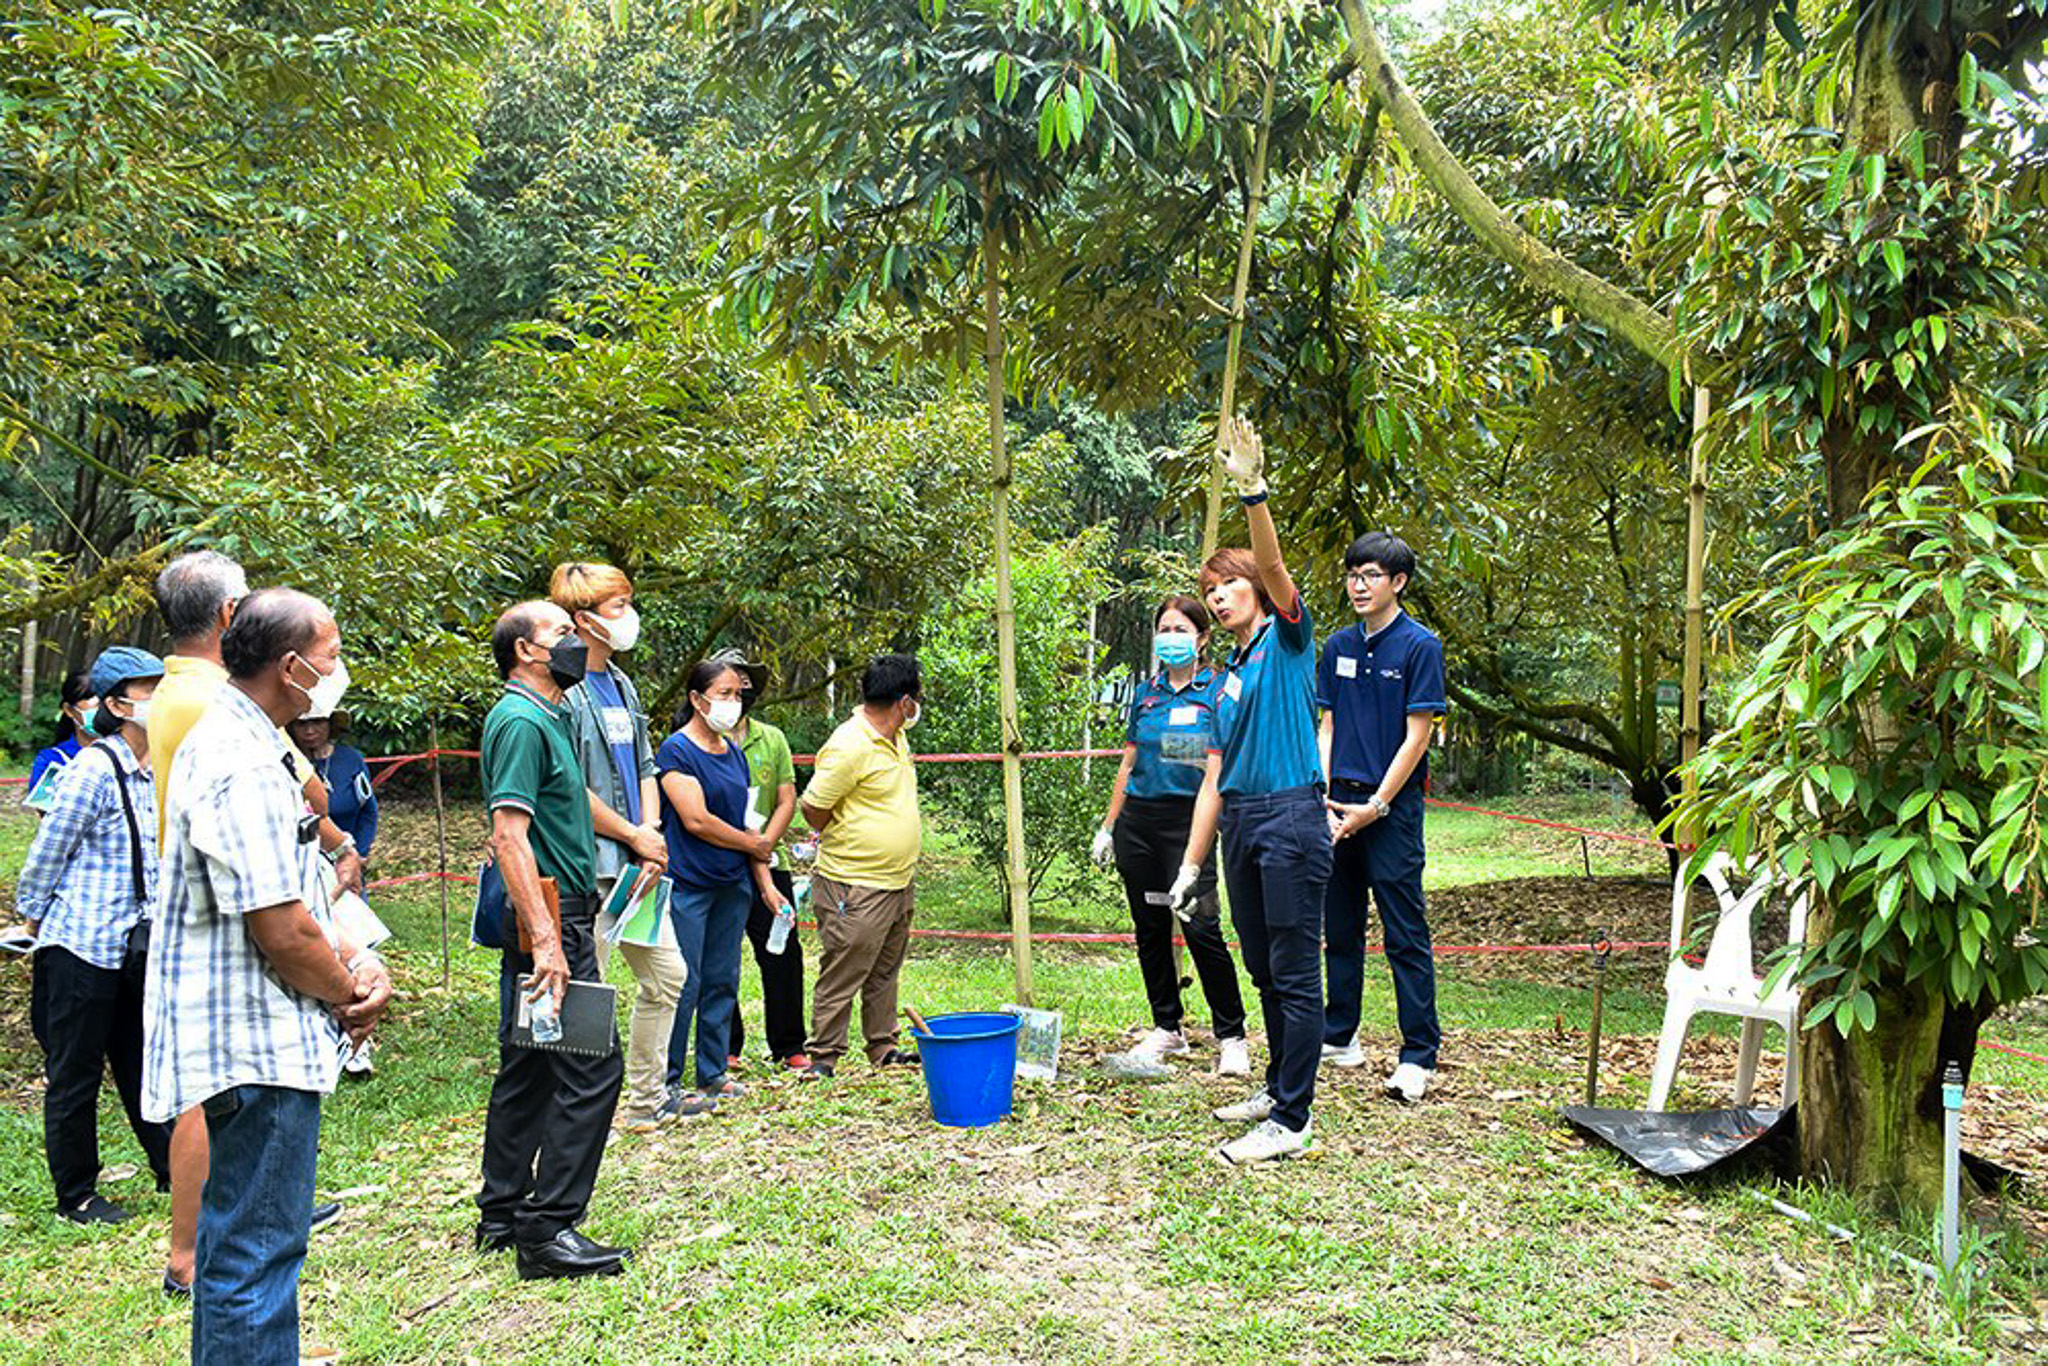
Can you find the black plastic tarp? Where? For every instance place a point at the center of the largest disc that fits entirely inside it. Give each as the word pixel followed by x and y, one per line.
pixel 1671 1143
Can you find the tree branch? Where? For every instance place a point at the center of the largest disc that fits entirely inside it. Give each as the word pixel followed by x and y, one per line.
pixel 1613 307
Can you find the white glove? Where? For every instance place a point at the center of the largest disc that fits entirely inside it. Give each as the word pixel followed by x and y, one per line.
pixel 1180 898
pixel 1103 848
pixel 1243 456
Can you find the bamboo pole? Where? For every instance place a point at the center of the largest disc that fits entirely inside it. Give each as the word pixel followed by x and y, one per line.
pixel 441 840
pixel 1017 872
pixel 1695 606
pixel 29 631
pixel 1212 514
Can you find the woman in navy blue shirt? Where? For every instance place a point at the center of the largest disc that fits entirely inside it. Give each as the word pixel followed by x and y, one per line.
pixel 717 865
pixel 74 729
pixel 351 796
pixel 1276 830
pixel 1170 747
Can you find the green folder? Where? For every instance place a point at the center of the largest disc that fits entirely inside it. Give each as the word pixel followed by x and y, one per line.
pixel 639 905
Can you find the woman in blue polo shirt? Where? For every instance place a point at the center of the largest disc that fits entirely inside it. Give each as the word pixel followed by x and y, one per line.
pixel 1170 746
pixel 1276 833
pixel 74 731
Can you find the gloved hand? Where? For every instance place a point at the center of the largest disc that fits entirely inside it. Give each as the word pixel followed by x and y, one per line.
pixel 1103 848
pixel 1180 898
pixel 1243 456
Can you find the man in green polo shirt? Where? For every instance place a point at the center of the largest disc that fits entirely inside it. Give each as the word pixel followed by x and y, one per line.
pixel 550 1110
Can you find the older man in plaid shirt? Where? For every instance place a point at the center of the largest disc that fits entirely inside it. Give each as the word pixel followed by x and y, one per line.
pixel 86 891
pixel 248 992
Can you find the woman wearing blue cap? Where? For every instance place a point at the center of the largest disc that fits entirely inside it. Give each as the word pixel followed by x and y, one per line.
pixel 86 891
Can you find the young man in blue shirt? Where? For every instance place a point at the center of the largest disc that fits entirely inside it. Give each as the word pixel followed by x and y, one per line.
pixel 1379 687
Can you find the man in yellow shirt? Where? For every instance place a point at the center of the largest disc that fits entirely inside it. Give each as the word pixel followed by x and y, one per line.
pixel 862 801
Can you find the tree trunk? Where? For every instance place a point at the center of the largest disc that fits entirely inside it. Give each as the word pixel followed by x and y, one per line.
pixel 28 671
pixel 1017 872
pixel 1870 1104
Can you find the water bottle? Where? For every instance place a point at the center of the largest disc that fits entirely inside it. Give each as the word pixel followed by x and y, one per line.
pixel 785 919
pixel 546 1019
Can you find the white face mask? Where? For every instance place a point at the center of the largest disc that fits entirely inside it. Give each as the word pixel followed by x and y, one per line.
pixel 324 696
pixel 138 713
pixel 724 714
pixel 621 632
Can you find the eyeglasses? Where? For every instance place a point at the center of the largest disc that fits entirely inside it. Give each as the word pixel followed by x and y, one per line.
pixel 1365 576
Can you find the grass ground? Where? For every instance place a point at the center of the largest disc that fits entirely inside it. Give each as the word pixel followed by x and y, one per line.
pixel 836 1223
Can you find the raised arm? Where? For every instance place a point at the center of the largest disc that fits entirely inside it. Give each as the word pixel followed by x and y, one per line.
pixel 1244 460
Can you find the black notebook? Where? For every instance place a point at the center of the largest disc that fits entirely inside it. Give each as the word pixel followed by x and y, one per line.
pixel 589 1019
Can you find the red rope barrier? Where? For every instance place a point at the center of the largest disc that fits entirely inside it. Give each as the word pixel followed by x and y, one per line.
pixel 2010 1050
pixel 1558 825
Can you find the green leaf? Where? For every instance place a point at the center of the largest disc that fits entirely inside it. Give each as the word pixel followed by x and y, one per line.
pixel 1873 176
pixel 1865 1006
pixel 1966 81
pixel 1894 256
pixel 1838 178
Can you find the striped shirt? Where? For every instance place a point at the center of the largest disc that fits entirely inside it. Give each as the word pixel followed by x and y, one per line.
pixel 215 1015
pixel 79 880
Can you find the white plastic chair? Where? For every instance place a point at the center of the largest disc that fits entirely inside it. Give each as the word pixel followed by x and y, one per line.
pixel 1727 982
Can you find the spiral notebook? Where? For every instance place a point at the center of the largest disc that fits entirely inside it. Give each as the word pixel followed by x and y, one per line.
pixel 589 1019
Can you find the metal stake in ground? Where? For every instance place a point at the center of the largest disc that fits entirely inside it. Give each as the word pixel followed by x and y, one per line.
pixel 1600 952
pixel 1951 1159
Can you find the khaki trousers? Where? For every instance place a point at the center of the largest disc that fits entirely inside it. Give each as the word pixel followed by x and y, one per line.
pixel 865 932
pixel 659 974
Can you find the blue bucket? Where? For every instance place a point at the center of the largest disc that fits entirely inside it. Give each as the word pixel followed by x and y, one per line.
pixel 970 1066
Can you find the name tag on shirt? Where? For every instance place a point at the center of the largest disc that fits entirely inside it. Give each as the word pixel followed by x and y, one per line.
pixel 618 726
pixel 1183 716
pixel 1347 666
pixel 1233 687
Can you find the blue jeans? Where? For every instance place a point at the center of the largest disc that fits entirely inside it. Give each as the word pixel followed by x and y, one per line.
pixel 254 1217
pixel 1276 862
pixel 1384 862
pixel 711 924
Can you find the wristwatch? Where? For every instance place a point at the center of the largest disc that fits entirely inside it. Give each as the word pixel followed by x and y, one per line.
pixel 347 846
pixel 1379 806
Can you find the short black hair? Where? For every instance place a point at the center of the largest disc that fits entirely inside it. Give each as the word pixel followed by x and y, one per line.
pixel 890 678
pixel 270 624
pixel 1384 549
pixel 515 623
pixel 104 722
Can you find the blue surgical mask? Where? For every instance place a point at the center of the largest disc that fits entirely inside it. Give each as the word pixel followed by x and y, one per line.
pixel 1176 649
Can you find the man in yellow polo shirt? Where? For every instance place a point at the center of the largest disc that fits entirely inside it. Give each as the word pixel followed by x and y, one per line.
pixel 862 801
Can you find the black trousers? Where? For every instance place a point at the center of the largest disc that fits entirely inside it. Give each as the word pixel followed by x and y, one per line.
pixel 782 980
pixel 1276 859
pixel 550 1112
pixel 89 1021
pixel 1150 836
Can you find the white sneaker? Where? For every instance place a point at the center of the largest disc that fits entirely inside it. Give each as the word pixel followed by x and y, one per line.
pixel 1161 1044
pixel 1250 1110
pixel 1346 1054
pixel 1236 1060
pixel 355 1059
pixel 1409 1082
pixel 1270 1142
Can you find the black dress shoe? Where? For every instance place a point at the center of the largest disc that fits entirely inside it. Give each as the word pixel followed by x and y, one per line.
pixel 560 1258
pixel 590 1247
pixel 493 1237
pixel 324 1214
pixel 94 1209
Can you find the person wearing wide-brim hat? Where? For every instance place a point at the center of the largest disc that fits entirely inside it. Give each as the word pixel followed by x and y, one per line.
pixel 86 891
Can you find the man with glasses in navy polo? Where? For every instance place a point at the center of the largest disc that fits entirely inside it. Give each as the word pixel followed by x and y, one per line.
pixel 1379 687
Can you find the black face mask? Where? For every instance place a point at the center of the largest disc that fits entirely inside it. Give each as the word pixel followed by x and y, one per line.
pixel 568 661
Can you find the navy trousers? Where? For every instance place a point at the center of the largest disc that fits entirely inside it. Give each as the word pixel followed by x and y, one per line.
pixel 1383 864
pixel 1276 862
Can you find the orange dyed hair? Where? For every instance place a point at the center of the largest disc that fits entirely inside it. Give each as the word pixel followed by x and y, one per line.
pixel 579 587
pixel 1234 562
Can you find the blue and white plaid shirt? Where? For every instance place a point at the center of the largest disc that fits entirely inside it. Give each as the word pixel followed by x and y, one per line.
pixel 79 880
pixel 215 1015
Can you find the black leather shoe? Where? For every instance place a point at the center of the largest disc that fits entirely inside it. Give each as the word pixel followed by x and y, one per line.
pixel 325 1214
pixel 590 1247
pixel 493 1237
pixel 560 1258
